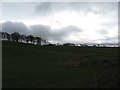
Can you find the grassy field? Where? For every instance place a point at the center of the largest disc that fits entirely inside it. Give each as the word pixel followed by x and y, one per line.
pixel 31 66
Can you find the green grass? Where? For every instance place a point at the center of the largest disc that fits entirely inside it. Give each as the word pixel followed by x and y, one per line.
pixel 31 66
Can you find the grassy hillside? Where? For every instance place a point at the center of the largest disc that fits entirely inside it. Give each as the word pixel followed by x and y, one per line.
pixel 31 66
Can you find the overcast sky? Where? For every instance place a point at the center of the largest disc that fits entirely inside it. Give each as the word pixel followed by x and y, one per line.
pixel 77 22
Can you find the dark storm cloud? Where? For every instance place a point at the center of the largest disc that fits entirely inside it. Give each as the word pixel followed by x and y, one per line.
pixel 11 27
pixel 40 30
pixel 55 35
pixel 43 31
pixel 46 8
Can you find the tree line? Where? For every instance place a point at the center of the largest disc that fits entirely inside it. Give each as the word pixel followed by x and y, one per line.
pixel 17 37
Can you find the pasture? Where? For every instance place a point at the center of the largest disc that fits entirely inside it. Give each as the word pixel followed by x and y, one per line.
pixel 33 66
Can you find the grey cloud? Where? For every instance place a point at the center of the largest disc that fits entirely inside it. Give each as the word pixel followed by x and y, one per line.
pixel 110 40
pixel 43 8
pixel 113 23
pixel 43 31
pixel 46 8
pixel 103 32
pixel 54 35
pixel 62 33
pixel 11 27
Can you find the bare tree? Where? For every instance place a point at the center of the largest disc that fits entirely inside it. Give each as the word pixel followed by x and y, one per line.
pixel 23 38
pixel 30 38
pixel 16 36
pixel 38 40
